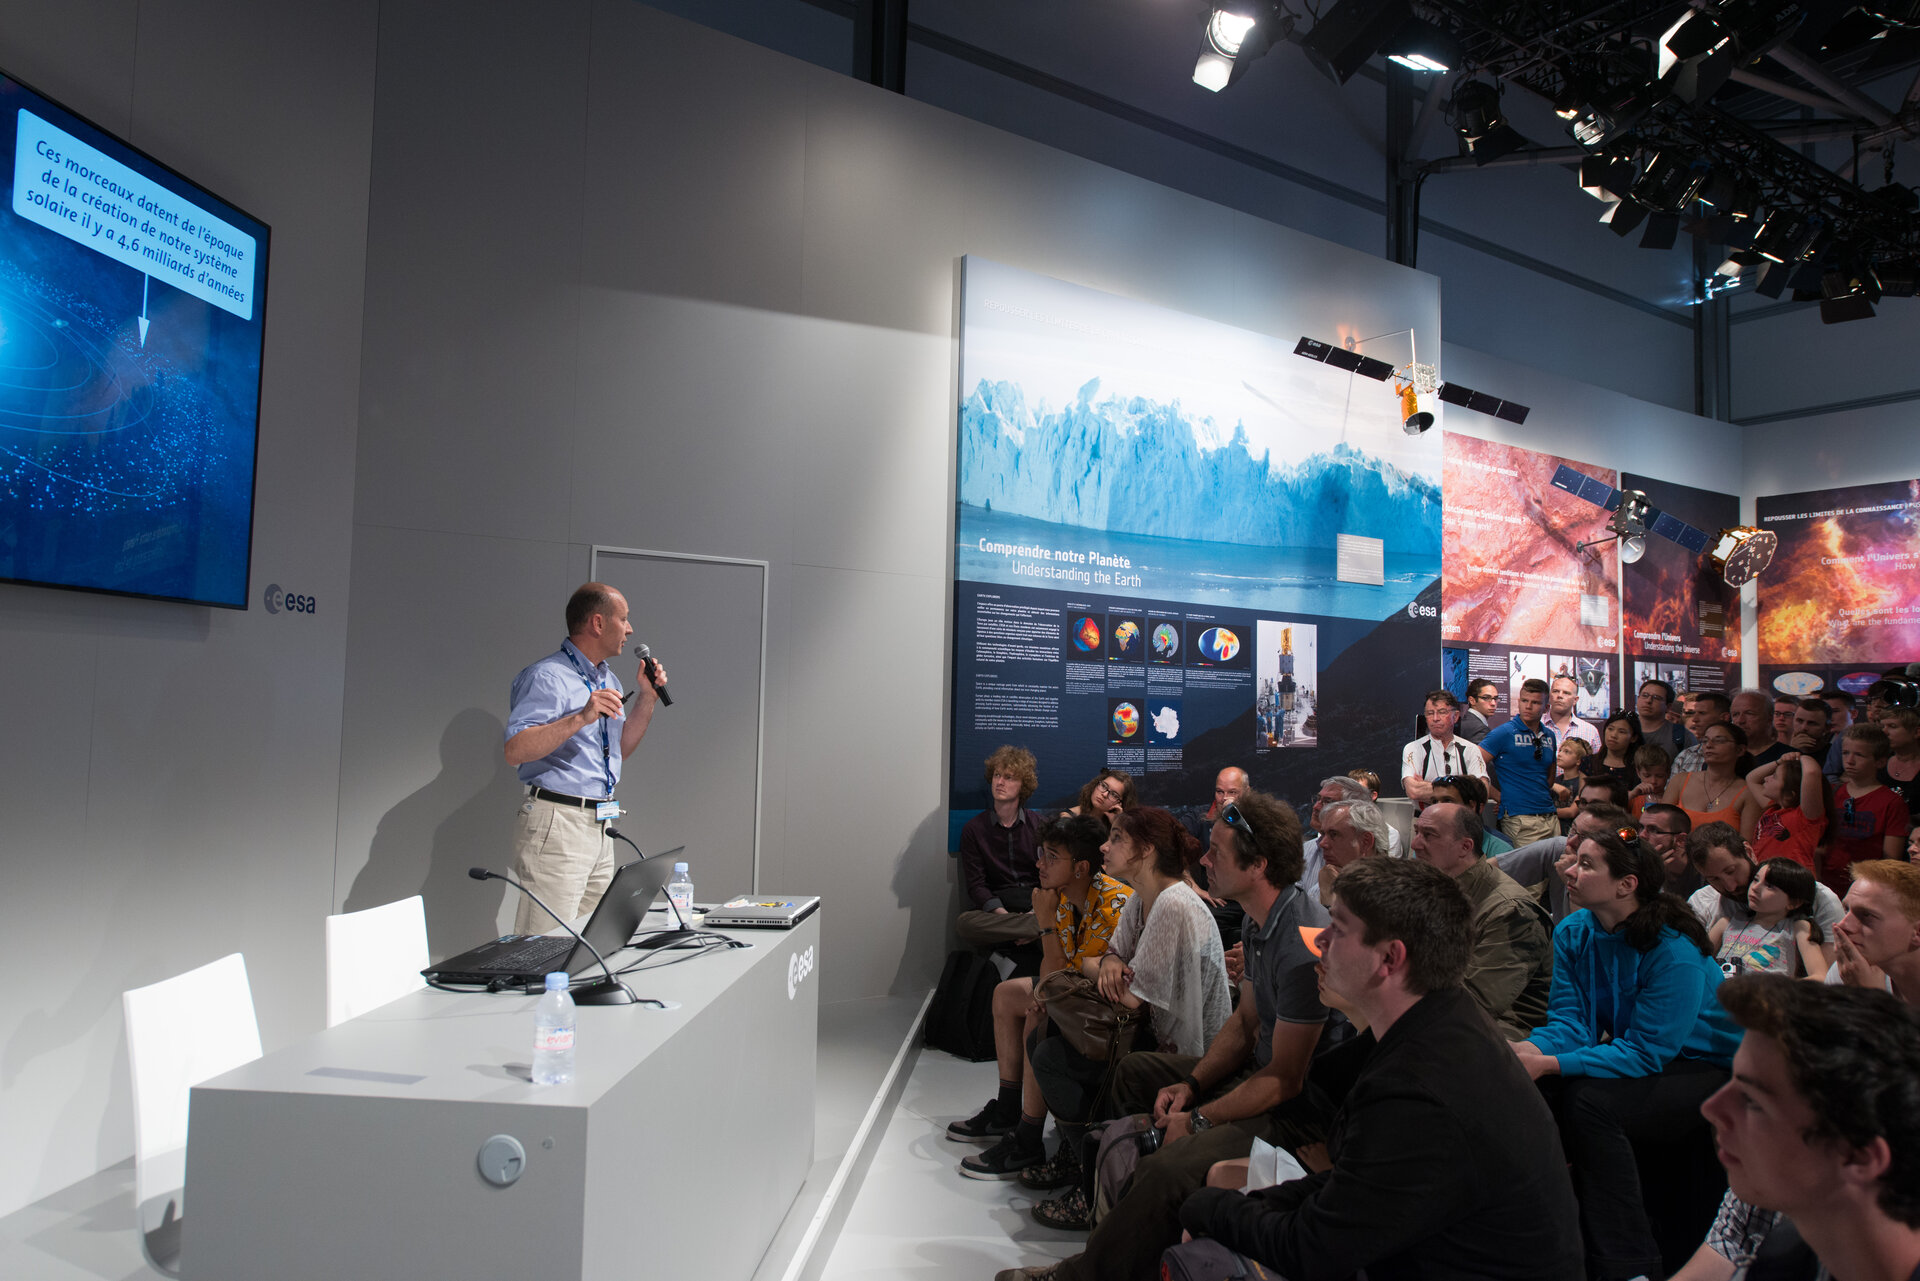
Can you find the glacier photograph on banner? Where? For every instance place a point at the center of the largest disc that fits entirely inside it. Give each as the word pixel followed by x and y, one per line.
pixel 1147 502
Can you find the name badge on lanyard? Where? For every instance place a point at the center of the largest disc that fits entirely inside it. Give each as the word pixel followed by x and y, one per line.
pixel 607 809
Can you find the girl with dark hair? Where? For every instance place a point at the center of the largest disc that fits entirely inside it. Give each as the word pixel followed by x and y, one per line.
pixel 1792 795
pixel 1780 937
pixel 1165 956
pixel 1620 738
pixel 1638 1038
pixel 1106 794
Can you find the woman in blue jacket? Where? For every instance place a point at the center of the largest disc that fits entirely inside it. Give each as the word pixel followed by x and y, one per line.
pixel 1633 1027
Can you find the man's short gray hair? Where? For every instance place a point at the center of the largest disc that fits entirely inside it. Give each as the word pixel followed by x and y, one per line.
pixel 1366 817
pixel 1351 789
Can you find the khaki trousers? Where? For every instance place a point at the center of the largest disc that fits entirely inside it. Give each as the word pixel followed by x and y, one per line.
pixel 563 854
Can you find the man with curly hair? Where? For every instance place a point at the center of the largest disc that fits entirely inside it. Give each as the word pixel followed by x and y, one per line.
pixel 999 852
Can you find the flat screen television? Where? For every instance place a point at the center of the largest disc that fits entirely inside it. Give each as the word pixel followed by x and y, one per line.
pixel 131 310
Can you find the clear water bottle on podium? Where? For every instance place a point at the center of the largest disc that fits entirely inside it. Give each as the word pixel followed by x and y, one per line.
pixel 680 894
pixel 553 1033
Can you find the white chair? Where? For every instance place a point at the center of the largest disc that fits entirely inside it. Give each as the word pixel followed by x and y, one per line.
pixel 180 1032
pixel 374 957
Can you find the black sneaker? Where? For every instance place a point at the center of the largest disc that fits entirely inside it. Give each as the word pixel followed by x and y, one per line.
pixel 1004 1160
pixel 984 1126
pixel 1056 1171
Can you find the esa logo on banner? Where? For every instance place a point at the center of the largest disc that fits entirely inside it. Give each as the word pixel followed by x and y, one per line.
pixel 799 965
pixel 292 602
pixel 1416 610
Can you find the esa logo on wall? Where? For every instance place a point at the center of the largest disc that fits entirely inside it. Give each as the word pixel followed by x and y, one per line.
pixel 1416 610
pixel 799 965
pixel 292 602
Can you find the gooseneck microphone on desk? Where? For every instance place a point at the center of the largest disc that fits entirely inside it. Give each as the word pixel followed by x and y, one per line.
pixel 663 938
pixel 610 991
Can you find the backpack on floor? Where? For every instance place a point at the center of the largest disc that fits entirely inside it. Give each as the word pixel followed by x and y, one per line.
pixel 1208 1260
pixel 1121 1146
pixel 960 1020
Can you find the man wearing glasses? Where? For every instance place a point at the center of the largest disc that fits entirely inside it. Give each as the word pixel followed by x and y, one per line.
pixel 1437 753
pixel 1520 765
pixel 1665 829
pixel 1656 696
pixel 1483 696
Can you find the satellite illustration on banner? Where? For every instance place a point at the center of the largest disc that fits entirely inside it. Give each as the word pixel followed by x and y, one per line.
pixel 1175 541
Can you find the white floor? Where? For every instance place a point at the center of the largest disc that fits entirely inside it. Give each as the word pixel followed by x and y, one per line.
pixel 916 1215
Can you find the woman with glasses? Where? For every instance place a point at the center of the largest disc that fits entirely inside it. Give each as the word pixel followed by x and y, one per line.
pixel 1638 1041
pixel 1109 792
pixel 1718 792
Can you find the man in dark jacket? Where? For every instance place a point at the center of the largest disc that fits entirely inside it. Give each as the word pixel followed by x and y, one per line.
pixel 1446 1161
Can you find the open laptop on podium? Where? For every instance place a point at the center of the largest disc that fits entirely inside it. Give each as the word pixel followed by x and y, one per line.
pixel 525 960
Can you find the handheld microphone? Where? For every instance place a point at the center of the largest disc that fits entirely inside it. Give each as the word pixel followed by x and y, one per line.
pixel 610 992
pixel 649 667
pixel 663 938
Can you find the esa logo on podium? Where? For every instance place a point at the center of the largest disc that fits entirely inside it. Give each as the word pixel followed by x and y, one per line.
pixel 799 965
pixel 292 602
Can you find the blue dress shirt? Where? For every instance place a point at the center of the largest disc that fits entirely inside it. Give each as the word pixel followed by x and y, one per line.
pixel 588 764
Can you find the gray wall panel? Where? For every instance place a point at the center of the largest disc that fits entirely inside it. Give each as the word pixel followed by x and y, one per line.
pixel 178 801
pixel 469 398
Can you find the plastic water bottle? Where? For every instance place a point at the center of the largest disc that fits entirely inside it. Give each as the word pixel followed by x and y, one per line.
pixel 680 894
pixel 553 1033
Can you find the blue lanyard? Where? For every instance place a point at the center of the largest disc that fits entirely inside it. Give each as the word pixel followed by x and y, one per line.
pixel 606 722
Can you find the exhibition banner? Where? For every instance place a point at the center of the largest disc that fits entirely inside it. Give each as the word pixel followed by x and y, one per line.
pixel 1839 600
pixel 1178 546
pixel 1520 598
pixel 1682 621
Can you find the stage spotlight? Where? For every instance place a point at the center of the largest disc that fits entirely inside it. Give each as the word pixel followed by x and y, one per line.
pixel 1773 282
pixel 1481 125
pixel 1848 295
pixel 1784 236
pixel 1238 33
pixel 1606 178
pixel 1351 32
pixel 1227 31
pixel 1607 115
pixel 1421 46
pixel 1212 72
pixel 1670 181
pixel 1623 217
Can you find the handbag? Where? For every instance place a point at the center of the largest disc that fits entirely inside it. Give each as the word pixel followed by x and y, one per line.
pixel 1094 1026
pixel 1207 1260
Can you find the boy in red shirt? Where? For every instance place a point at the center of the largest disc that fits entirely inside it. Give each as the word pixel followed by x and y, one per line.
pixel 1869 818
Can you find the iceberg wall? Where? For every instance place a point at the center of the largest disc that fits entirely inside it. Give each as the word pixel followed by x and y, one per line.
pixel 1137 466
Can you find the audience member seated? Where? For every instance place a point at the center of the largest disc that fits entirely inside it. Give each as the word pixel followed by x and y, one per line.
pixel 998 849
pixel 1869 819
pixel 1164 959
pixel 1638 1042
pixel 1510 968
pixel 1213 1107
pixel 1476 718
pixel 1653 768
pixel 1343 787
pixel 1703 709
pixel 1520 768
pixel 1654 700
pixel 1228 785
pixel 1438 753
pixel 1753 713
pixel 1666 828
pixel 1562 693
pixel 1901 772
pixel 1349 832
pixel 1106 794
pixel 1877 943
pixel 1726 865
pixel 1792 795
pixel 1821 1122
pixel 1620 738
pixel 1779 936
pixel 1444 1163
pixel 1081 906
pixel 1717 793
pixel 1470 791
pixel 1543 864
